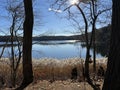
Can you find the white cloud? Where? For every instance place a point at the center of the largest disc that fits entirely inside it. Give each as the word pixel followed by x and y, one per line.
pixel 55 10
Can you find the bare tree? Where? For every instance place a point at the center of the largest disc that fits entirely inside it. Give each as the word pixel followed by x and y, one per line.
pixel 16 15
pixel 27 45
pixel 15 9
pixel 89 13
pixel 94 14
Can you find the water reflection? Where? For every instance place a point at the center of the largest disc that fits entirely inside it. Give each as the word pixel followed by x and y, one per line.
pixel 60 49
pixel 56 42
pixel 101 48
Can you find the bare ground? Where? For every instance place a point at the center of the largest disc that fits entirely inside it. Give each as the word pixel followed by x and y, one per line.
pixel 58 85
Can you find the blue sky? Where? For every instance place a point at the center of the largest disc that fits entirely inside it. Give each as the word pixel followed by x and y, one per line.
pixel 51 23
pixel 56 23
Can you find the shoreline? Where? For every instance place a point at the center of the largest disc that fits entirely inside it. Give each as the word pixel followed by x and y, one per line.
pixel 62 61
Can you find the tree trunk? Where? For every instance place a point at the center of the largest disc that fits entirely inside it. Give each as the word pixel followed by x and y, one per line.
pixel 27 42
pixel 88 45
pixel 112 78
pixel 27 45
pixel 94 46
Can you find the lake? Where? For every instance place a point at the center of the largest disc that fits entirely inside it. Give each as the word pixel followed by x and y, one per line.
pixel 56 49
pixel 60 49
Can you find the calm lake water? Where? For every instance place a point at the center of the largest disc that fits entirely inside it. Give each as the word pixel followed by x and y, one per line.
pixel 56 49
pixel 60 49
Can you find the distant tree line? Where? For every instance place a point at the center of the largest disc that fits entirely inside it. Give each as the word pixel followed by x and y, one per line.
pixel 102 36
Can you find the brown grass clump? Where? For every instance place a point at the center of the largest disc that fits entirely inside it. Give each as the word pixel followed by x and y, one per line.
pixel 5 72
pixel 55 69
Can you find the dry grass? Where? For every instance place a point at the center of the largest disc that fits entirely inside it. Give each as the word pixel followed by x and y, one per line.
pixel 5 72
pixel 47 69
